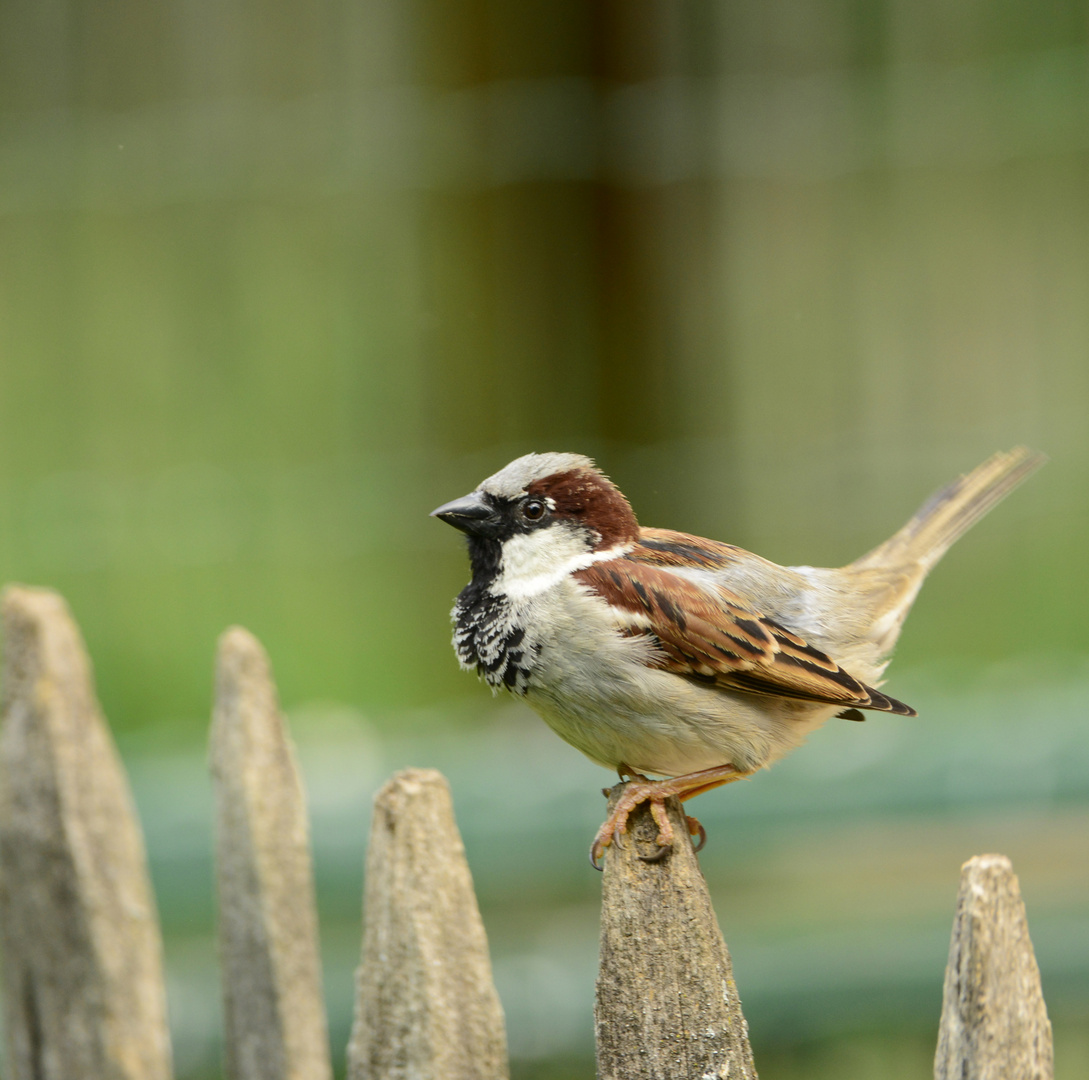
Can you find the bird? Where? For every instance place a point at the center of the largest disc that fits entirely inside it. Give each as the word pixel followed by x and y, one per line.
pixel 681 662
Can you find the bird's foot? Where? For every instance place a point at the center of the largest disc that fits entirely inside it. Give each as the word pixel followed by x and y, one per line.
pixel 640 790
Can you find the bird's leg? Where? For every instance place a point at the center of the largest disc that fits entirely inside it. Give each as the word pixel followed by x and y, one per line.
pixel 640 790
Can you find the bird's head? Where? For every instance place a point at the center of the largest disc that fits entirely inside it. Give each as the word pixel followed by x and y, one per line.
pixel 539 513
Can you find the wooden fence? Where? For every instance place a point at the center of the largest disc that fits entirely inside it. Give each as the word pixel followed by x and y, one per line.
pixel 82 953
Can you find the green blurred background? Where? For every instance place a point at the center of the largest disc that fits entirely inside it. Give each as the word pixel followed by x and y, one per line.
pixel 277 279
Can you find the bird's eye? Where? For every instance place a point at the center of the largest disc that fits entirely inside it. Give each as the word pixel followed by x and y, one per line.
pixel 533 509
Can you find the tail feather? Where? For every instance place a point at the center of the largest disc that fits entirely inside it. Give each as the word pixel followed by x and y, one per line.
pixel 949 513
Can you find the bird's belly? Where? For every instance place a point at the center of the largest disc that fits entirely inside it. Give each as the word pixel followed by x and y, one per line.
pixel 681 731
pixel 593 687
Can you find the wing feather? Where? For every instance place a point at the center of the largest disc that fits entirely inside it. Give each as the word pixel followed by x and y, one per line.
pixel 708 633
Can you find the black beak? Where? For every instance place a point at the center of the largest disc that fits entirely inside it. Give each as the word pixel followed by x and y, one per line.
pixel 472 514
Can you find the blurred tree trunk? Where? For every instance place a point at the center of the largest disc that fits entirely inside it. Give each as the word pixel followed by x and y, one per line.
pixel 571 276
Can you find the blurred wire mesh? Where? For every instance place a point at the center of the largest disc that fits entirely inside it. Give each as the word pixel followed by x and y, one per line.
pixel 275 282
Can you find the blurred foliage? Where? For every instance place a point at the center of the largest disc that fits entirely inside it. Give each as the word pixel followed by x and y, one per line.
pixel 273 285
pixel 274 282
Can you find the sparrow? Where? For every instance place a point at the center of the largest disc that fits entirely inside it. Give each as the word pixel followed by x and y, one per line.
pixel 659 653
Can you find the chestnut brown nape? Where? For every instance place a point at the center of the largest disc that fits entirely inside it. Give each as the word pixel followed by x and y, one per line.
pixel 585 496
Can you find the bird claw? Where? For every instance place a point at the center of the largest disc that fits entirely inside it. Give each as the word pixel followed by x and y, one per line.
pixel 616 824
pixel 696 829
pixel 611 832
pixel 659 855
pixel 596 852
pixel 665 834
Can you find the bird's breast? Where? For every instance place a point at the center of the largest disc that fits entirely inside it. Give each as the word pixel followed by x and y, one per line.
pixel 490 638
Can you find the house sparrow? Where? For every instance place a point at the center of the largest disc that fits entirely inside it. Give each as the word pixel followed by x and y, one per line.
pixel 654 651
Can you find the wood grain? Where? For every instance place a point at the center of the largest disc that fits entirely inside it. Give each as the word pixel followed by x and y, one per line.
pixel 667 1006
pixel 994 1023
pixel 426 1007
pixel 268 928
pixel 82 951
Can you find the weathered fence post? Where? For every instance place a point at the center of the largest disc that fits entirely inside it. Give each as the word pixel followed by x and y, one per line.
pixel 426 1008
pixel 994 1022
pixel 268 927
pixel 82 953
pixel 667 1007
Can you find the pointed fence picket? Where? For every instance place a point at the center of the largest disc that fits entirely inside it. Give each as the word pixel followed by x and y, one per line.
pixel 274 1013
pixel 82 968
pixel 82 955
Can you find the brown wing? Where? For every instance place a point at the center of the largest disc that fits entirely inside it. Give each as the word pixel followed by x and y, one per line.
pixel 666 548
pixel 711 635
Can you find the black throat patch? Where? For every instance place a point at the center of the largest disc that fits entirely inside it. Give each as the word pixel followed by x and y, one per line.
pixel 487 635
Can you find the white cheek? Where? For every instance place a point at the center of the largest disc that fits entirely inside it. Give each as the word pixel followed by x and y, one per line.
pixel 534 562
